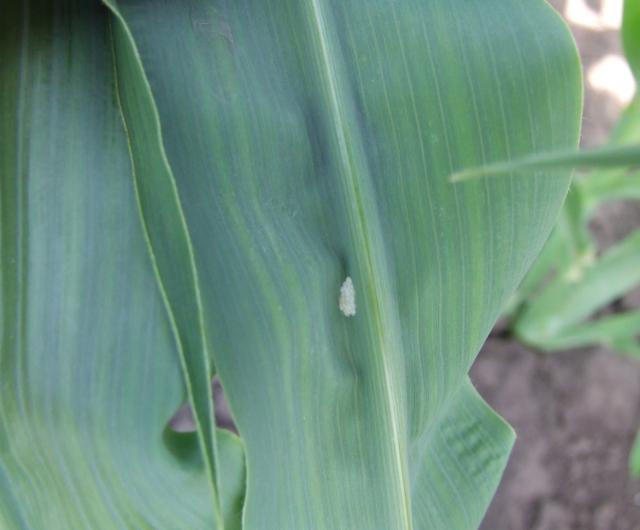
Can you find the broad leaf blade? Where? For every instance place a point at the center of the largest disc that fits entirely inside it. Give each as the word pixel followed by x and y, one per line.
pixel 463 457
pixel 311 141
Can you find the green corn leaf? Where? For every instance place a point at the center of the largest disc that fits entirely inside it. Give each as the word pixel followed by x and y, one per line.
pixel 185 188
pixel 631 35
pixel 167 237
pixel 90 370
pixel 570 300
pixel 361 152
pixel 623 150
pixel 602 157
pixel 567 252
pixel 634 460
pixel 616 183
pixel 617 162
pixel 619 332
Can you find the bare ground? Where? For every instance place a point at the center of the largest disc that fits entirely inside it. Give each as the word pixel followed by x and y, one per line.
pixel 576 414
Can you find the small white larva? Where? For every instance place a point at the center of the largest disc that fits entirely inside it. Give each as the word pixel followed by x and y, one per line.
pixel 347 301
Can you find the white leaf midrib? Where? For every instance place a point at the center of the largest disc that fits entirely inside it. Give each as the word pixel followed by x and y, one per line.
pixel 363 228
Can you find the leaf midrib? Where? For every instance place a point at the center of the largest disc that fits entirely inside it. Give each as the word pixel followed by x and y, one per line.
pixel 362 228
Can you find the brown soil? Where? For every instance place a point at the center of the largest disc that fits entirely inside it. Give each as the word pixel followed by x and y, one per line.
pixel 576 414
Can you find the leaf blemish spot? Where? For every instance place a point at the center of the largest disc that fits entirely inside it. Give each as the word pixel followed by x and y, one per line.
pixel 347 300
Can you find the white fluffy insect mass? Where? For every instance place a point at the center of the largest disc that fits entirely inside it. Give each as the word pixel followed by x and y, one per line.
pixel 347 300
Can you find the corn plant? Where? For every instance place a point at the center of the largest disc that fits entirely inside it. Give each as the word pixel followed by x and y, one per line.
pixel 259 191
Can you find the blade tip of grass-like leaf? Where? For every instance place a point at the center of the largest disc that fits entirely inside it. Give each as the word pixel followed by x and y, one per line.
pixel 467 174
